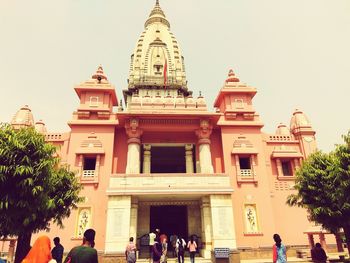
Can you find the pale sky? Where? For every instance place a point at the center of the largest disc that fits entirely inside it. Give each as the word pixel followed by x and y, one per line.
pixel 296 53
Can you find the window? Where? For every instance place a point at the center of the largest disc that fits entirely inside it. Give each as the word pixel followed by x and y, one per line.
pixel 84 221
pixel 239 104
pixel 93 101
pixel 287 168
pixel 89 163
pixel 89 167
pixel 244 163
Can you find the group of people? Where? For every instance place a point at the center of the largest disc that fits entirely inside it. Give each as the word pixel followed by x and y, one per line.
pixel 318 254
pixel 41 250
pixel 158 247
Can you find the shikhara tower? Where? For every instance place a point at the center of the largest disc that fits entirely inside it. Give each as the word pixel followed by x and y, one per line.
pixel 164 161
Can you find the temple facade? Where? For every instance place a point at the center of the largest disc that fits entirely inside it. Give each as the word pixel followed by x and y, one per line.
pixel 163 160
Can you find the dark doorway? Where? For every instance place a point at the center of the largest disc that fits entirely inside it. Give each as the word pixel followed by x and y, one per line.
pixel 170 219
pixel 168 159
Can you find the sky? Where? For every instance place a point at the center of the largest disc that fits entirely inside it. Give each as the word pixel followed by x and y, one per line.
pixel 296 53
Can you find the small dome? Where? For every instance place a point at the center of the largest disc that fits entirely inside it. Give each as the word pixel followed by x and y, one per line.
pixel 99 75
pixel 282 129
pixel 298 120
pixel 23 118
pixel 232 77
pixel 40 127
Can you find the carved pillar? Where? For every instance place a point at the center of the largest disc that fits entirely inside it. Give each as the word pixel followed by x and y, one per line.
pixel 279 167
pixel 203 134
pixel 146 167
pixel 206 227
pixel 133 218
pixel 311 240
pixel 189 158
pixel 133 159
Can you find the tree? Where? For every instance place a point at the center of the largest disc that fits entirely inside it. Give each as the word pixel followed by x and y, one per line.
pixel 323 188
pixel 34 188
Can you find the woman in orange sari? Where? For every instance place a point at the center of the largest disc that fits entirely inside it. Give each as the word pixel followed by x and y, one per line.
pixel 40 252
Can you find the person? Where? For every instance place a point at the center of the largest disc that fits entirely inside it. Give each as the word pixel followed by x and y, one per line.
pixel 162 237
pixel 57 251
pixel 40 251
pixel 180 248
pixel 156 250
pixel 152 237
pixel 278 250
pixel 84 253
pixel 318 254
pixel 130 251
pixel 173 239
pixel 163 258
pixel 192 247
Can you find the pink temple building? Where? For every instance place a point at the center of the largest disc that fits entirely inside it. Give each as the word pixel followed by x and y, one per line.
pixel 164 160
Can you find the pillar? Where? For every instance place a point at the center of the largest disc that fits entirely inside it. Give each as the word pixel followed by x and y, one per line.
pixel 339 242
pixel 146 166
pixel 11 252
pixel 133 218
pixel 118 223
pixel 206 227
pixel 222 222
pixel 133 157
pixel 279 167
pixel 323 241
pixel 310 237
pixel 189 158
pixel 203 134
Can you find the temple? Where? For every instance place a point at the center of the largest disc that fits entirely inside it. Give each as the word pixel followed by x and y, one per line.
pixel 163 160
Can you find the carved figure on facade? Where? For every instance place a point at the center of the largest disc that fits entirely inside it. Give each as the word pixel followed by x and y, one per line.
pixel 133 131
pixel 204 131
pixel 250 213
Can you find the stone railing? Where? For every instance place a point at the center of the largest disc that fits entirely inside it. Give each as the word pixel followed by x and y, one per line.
pixel 88 173
pixel 89 176
pixel 246 172
pixel 169 182
pixel 281 138
pixel 246 176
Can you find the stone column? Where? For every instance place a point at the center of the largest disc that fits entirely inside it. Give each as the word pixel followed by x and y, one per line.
pixel 146 167
pixel 206 227
pixel 323 241
pixel 203 134
pixel 133 157
pixel 279 167
pixel 339 243
pixel 189 158
pixel 222 221
pixel 11 252
pixel 118 223
pixel 133 218
pixel 311 240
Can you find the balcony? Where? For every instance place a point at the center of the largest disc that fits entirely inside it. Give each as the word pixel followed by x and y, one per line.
pixel 169 183
pixel 246 176
pixel 89 176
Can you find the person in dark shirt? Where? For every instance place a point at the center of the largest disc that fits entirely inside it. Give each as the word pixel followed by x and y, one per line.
pixel 318 254
pixel 57 251
pixel 86 252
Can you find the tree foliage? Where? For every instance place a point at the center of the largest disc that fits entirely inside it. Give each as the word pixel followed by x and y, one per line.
pixel 34 188
pixel 323 188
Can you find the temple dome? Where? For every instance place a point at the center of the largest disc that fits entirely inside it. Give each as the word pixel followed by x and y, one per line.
pixel 23 118
pixel 282 129
pixel 40 127
pixel 299 120
pixel 157 54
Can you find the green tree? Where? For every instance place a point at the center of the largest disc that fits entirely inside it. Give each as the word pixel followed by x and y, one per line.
pixel 323 188
pixel 35 189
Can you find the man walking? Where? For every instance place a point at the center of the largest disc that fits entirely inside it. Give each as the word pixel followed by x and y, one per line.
pixel 57 251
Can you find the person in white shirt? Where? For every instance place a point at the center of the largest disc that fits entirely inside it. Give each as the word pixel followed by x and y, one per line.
pixel 180 248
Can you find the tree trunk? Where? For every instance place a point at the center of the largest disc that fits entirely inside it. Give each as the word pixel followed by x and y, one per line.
pixel 23 246
pixel 347 237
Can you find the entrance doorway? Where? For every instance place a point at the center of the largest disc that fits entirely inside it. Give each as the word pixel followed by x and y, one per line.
pixel 170 219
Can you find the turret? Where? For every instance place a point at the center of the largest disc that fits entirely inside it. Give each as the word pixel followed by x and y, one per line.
pixel 301 128
pixel 97 97
pixel 235 102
